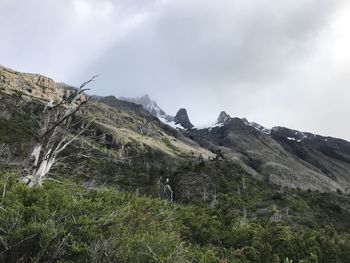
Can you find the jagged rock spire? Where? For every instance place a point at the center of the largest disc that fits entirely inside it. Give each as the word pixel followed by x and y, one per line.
pixel 182 119
pixel 223 117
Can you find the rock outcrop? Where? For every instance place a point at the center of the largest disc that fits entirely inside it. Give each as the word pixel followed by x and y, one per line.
pixel 182 119
pixel 151 106
pixel 33 85
pixel 223 117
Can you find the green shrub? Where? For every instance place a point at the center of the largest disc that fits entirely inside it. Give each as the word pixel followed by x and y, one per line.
pixel 64 222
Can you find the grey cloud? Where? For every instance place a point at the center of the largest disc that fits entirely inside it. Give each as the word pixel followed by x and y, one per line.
pixel 263 59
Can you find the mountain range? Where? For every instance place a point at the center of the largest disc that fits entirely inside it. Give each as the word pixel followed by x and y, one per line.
pixel 241 192
pixel 279 155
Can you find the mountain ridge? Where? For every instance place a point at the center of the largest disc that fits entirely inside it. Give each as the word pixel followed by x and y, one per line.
pixel 151 106
pixel 280 156
pixel 283 156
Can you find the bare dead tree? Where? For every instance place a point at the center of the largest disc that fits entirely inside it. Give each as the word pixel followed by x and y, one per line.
pixel 54 135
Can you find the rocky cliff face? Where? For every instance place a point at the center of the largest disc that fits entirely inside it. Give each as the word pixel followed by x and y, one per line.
pixel 32 85
pixel 181 118
pixel 223 117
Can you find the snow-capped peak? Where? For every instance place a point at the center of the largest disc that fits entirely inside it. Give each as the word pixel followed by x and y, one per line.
pixel 151 106
pixel 256 126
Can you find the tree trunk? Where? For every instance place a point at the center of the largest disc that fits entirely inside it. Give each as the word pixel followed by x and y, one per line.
pixel 53 136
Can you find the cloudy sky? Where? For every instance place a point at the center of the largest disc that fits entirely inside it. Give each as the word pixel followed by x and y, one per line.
pixel 275 62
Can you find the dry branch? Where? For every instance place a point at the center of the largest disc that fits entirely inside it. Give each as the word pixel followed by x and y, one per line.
pixel 54 134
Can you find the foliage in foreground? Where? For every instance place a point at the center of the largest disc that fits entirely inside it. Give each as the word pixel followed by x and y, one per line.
pixel 65 222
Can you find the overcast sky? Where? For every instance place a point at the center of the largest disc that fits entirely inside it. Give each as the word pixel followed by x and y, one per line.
pixel 275 62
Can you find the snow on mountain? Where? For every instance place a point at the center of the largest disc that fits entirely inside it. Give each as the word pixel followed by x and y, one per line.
pixel 182 122
pixel 257 126
pixel 171 123
pixel 291 135
pixel 294 135
pixel 151 106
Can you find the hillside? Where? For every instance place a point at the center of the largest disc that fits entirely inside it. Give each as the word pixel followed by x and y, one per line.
pixel 122 134
pixel 104 201
pixel 281 156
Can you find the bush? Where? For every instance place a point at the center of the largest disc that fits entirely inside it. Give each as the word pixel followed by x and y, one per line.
pixel 68 223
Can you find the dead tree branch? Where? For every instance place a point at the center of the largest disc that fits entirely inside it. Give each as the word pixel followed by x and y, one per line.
pixel 55 134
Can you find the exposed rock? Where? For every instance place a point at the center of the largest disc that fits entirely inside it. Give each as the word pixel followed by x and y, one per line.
pixel 281 156
pixel 125 106
pixel 33 85
pixel 223 117
pixel 151 106
pixel 256 126
pixel 182 119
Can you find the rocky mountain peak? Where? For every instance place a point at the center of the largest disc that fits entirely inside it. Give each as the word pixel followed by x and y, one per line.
pixel 151 106
pixel 182 119
pixel 223 117
pixel 145 100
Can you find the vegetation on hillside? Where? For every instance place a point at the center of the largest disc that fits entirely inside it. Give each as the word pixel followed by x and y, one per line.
pixel 107 205
pixel 68 223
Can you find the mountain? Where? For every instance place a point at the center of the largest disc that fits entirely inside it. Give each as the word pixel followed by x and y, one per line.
pixel 280 155
pixel 151 106
pixel 123 131
pixel 223 118
pixel 180 121
pixel 238 188
pixel 256 126
pixel 181 118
